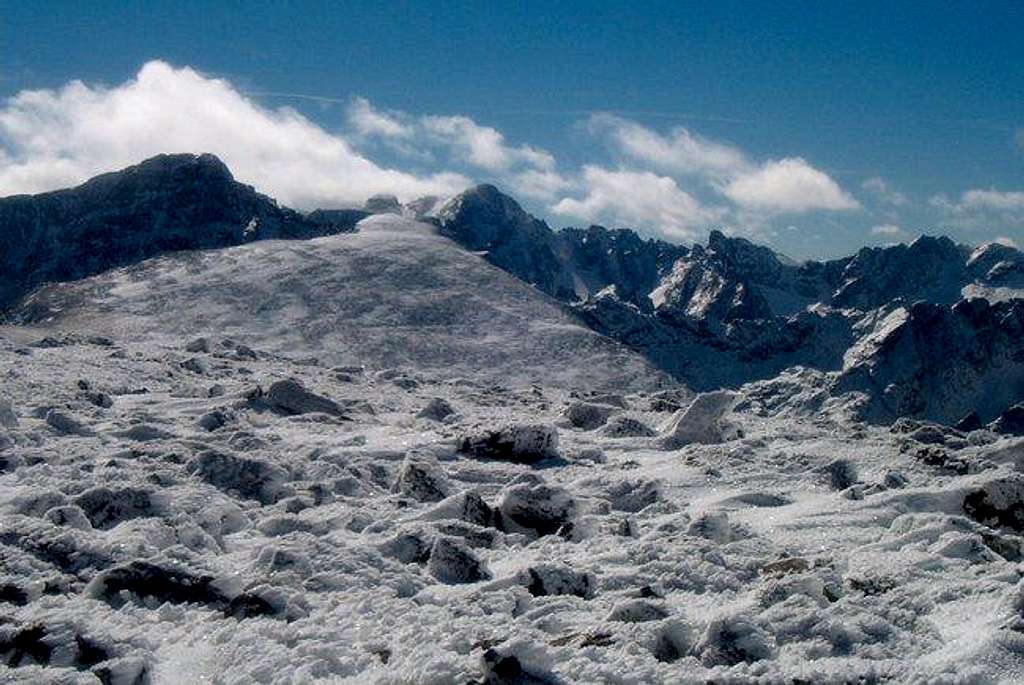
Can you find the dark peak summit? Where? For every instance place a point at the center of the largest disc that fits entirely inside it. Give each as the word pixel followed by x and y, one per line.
pixel 165 203
pixel 383 203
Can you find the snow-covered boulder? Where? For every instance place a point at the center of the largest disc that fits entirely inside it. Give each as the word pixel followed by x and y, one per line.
pixel 522 443
pixel 453 563
pixel 703 421
pixel 249 478
pixel 734 639
pixel 543 580
pixel 422 479
pixel 535 509
pixel 586 415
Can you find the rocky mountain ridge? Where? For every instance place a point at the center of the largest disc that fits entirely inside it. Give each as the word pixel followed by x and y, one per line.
pixel 881 322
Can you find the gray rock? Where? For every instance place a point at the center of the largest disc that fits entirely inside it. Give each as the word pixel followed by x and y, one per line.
pixel 522 443
pixel 422 479
pixel 437 409
pixel 535 509
pixel 637 611
pixel 66 424
pixel 291 397
pixel 199 345
pixel 544 580
pixel 453 563
pixel 587 416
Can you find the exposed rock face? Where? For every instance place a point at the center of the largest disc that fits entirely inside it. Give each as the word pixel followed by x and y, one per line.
pixel 523 443
pixel 167 203
pixel 570 264
pixel 940 363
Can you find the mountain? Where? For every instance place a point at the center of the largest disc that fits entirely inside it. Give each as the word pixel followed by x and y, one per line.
pixel 169 202
pixel 895 324
pixel 395 294
pixel 570 264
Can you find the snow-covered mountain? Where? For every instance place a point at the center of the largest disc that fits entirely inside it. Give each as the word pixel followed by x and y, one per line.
pixel 714 315
pixel 445 444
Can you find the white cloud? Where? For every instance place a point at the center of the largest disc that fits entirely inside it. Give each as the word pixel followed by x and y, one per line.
pixel 881 189
pixel 56 138
pixel 1008 241
pixel 638 198
pixel 681 152
pixel 484 146
pixel 890 230
pixel 992 199
pixel 368 121
pixel 788 185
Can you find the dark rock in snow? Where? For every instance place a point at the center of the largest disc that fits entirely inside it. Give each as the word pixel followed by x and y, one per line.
pixel 1011 421
pixel 107 507
pixel 535 509
pixel 437 409
pixel 453 563
pixel 731 640
pixel 146 582
pixel 523 443
pixel 545 580
pixel 627 427
pixel 250 478
pixel 422 479
pixel 637 611
pixel 290 397
pixel 971 422
pixel 587 416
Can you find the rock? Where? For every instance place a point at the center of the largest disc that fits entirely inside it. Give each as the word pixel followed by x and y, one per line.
pixel 627 427
pixel 998 503
pixel 545 580
pixel 196 366
pixel 1011 421
pixel 100 399
pixel 409 547
pixel 702 421
pixel 521 443
pixel 250 478
pixel 149 582
pixel 535 509
pixel 894 480
pixel 437 409
pixel 8 419
pixel 841 474
pixel 509 669
pixel 68 515
pixel 421 479
pixel 637 611
pixel 587 416
pixel 106 507
pixel 199 345
pixel 711 525
pixel 453 563
pixel 971 422
pixel 144 432
pixel 731 640
pixel 633 495
pixel 212 420
pixel 466 506
pixel 290 397
pixel 66 424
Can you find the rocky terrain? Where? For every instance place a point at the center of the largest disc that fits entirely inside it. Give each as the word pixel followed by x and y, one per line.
pixel 442 443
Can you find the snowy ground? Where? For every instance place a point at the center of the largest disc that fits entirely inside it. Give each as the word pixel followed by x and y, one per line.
pixel 287 502
pixel 162 517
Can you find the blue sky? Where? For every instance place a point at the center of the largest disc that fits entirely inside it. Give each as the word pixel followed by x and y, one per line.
pixel 815 127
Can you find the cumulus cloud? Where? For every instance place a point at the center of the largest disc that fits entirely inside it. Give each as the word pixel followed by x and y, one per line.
pixel 638 198
pixel 55 138
pixel 885 193
pixel 369 121
pixel 992 199
pixel 788 185
pixel 890 230
pixel 681 151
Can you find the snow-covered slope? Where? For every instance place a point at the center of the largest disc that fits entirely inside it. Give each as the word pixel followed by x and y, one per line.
pixel 393 294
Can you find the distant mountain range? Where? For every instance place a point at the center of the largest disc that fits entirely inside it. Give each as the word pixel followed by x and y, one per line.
pixel 932 329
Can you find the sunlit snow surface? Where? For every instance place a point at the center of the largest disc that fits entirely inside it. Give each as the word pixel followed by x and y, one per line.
pixel 306 548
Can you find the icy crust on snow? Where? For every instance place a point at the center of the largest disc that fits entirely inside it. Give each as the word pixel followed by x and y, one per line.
pixel 331 531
